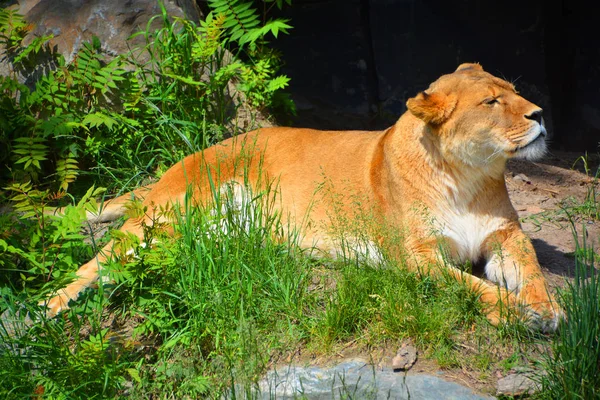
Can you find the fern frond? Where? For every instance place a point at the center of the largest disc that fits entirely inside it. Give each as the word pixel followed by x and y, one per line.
pixel 67 169
pixel 208 37
pixel 279 82
pixel 27 200
pixel 240 17
pixel 97 119
pixel 273 27
pixel 32 49
pixel 57 125
pixel 13 29
pixel 30 151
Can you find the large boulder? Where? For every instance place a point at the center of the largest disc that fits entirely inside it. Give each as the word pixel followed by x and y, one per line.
pixel 73 22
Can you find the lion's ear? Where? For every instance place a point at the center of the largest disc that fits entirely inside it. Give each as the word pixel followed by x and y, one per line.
pixel 433 108
pixel 466 66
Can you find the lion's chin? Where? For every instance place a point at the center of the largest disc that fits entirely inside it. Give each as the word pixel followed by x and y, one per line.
pixel 532 151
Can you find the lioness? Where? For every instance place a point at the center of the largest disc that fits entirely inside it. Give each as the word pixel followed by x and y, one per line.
pixel 437 175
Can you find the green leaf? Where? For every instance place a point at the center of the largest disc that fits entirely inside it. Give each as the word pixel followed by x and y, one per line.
pixel 135 375
pixel 96 43
pixel 186 80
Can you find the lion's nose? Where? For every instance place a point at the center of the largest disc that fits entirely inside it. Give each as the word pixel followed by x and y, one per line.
pixel 535 116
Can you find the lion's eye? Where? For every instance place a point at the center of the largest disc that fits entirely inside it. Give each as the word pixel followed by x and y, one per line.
pixel 491 101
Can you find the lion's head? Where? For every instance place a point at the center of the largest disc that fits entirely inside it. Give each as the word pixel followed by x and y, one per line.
pixel 480 118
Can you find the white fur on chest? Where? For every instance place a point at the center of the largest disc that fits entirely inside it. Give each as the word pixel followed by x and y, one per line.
pixel 468 231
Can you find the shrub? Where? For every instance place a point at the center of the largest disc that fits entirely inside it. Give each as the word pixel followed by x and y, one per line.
pixel 124 118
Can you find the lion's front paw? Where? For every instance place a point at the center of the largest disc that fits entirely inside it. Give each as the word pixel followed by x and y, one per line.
pixel 544 316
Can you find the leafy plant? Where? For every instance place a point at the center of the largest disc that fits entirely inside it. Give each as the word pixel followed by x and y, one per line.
pixel 97 119
pixel 69 109
pixel 130 115
pixel 258 79
pixel 243 21
pixel 37 244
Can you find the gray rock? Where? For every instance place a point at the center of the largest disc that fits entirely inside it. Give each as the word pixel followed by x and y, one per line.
pixel 517 384
pixel 113 21
pixel 74 22
pixel 522 178
pixel 356 379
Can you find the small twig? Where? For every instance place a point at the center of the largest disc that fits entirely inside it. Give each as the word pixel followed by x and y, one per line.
pixel 467 347
pixel 550 190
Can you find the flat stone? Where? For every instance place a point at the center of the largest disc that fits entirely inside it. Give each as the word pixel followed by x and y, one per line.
pixel 355 379
pixel 517 384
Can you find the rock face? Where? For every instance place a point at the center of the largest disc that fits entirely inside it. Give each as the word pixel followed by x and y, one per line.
pixel 74 22
pixel 359 380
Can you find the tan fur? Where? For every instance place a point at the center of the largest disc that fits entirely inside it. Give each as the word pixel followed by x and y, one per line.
pixel 437 175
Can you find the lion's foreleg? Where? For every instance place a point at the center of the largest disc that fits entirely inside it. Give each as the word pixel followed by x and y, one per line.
pixel 512 263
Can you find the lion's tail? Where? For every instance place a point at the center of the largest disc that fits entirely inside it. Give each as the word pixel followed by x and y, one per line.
pixel 115 208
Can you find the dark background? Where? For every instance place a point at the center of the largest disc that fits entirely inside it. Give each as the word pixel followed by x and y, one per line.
pixel 354 63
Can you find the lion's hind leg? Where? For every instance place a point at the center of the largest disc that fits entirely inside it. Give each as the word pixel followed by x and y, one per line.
pixel 113 209
pixel 89 272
